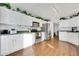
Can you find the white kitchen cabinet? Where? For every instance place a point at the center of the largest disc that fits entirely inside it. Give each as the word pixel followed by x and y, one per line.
pixel 43 37
pixel 65 23
pixel 20 19
pixel 8 16
pixel 63 36
pixel 75 38
pixel 28 39
pixel 71 37
pixel 10 43
pixel 18 42
pixel 73 22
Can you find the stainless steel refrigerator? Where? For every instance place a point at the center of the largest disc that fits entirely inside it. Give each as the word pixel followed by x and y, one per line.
pixel 46 29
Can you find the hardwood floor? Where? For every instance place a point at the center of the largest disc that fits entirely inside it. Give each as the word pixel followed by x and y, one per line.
pixel 52 47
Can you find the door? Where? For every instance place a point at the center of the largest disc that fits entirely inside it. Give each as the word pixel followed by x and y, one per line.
pixel 6 45
pixel 28 39
pixel 56 29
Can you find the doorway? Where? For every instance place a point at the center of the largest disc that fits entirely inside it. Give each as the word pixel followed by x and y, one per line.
pixel 56 29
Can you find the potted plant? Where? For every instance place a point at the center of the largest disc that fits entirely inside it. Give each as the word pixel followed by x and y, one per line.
pixel 29 14
pixel 24 12
pixel 7 5
pixel 63 18
pixel 39 17
pixel 18 9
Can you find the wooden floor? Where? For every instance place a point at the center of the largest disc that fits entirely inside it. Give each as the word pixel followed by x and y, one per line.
pixel 52 47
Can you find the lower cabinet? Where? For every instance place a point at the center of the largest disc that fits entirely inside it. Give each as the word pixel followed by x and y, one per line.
pixel 28 39
pixel 43 37
pixel 13 43
pixel 10 43
pixel 71 37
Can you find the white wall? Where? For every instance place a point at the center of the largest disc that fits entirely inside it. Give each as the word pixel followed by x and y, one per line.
pixel 19 28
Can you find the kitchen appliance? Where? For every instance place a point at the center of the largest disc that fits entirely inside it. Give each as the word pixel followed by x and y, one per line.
pixel 46 28
pixel 35 24
pixel 13 31
pixel 74 29
pixel 34 30
pixel 4 32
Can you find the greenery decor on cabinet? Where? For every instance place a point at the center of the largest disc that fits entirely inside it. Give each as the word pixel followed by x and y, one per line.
pixel 29 14
pixel 7 5
pixel 24 12
pixel 39 17
pixel 69 17
pixel 18 9
pixel 63 18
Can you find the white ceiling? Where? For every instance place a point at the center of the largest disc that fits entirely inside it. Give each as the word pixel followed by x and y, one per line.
pixel 48 10
pixel 67 8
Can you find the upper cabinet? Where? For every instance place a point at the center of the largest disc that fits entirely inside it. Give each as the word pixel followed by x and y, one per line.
pixel 39 21
pixel 14 18
pixel 65 23
pixel 70 22
pixel 8 16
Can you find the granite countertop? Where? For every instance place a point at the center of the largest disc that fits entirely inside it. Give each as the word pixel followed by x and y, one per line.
pixel 69 31
pixel 20 32
pixel 15 33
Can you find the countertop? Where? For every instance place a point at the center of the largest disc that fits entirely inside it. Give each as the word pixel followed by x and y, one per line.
pixel 69 31
pixel 20 33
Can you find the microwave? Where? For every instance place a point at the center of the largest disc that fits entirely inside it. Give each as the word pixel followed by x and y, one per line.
pixel 13 31
pixel 35 24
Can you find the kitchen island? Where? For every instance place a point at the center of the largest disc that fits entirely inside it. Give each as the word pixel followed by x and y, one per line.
pixel 69 36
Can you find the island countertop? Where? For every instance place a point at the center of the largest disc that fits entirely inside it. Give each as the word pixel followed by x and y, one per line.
pixel 19 33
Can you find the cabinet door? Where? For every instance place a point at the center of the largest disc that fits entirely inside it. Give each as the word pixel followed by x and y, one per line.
pixel 28 40
pixel 8 16
pixel 63 36
pixel 75 39
pixel 65 23
pixel 43 36
pixel 5 45
pixel 18 42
